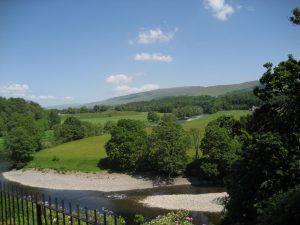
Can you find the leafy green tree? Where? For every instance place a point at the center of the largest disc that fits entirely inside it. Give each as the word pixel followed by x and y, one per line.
pixel 53 118
pixel 168 119
pixel 108 127
pixel 20 144
pixel 127 145
pixel 296 16
pixel 168 145
pixel 196 139
pixel 71 129
pixel 153 116
pixel 270 155
pixel 283 208
pixel 220 146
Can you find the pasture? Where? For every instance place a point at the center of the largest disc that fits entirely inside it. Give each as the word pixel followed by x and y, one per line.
pixel 112 115
pixel 84 155
pixel 81 155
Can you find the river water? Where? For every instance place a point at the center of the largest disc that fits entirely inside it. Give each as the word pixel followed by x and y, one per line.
pixel 126 203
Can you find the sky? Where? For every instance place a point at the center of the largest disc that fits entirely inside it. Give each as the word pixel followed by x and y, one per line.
pixel 79 51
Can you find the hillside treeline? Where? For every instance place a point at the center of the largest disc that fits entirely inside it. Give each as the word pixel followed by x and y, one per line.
pixel 208 104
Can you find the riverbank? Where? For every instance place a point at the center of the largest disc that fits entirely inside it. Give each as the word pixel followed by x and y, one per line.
pixel 210 202
pixel 102 181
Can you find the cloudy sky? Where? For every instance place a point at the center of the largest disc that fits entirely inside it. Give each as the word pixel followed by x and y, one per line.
pixel 75 51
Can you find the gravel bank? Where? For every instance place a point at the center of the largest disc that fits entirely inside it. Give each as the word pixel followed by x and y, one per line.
pixel 199 202
pixel 105 182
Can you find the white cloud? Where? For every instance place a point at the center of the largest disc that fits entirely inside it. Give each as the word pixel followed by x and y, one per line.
pixel 15 89
pixel 68 98
pixel 221 10
pixel 118 78
pixel 125 89
pixel 46 97
pixel 153 36
pixel 153 57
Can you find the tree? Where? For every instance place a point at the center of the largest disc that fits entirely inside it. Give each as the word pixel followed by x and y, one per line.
pixel 168 145
pixel 71 129
pixel 296 16
pixel 270 155
pixel 196 139
pixel 53 118
pixel 220 146
pixel 168 119
pixel 109 125
pixel 127 145
pixel 153 116
pixel 20 144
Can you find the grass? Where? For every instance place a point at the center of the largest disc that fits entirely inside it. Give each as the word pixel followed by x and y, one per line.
pixel 84 155
pixel 113 115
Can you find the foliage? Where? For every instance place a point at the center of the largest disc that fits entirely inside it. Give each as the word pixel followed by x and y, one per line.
pixel 127 145
pixel 172 218
pixel 71 129
pixel 220 146
pixel 270 154
pixel 187 111
pixel 296 16
pixel 20 144
pixel 53 118
pixel 168 119
pixel 109 126
pixel 168 145
pixel 153 116
pixel 196 139
pixel 192 105
pixel 138 219
pixel 283 208
pixel 91 129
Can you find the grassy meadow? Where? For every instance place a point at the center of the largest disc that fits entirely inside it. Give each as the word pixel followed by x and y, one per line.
pixel 112 115
pixel 84 155
pixel 81 155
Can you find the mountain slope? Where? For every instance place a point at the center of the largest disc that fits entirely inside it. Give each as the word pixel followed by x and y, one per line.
pixel 178 91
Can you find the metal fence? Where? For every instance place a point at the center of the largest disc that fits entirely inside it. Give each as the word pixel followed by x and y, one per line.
pixel 20 208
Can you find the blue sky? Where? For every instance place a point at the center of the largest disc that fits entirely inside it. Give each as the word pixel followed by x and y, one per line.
pixel 75 51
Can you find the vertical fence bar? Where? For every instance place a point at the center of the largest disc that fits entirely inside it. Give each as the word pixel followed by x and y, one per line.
pixel 5 205
pixel 1 203
pixel 78 214
pixel 22 205
pixel 86 216
pixel 13 205
pixel 32 209
pixel 56 211
pixel 71 213
pixel 8 199
pixel 18 206
pixel 27 209
pixel 44 209
pixel 115 220
pixel 50 208
pixel 38 210
pixel 104 218
pixel 63 211
pixel 95 217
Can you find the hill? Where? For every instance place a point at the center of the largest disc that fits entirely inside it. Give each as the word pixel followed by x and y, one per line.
pixel 178 91
pixel 169 92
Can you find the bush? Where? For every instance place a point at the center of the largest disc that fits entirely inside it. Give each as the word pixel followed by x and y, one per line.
pixel 180 217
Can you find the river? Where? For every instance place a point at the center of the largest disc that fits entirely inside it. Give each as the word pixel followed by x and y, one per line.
pixel 126 203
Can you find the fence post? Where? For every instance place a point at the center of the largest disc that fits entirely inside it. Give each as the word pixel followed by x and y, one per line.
pixel 38 210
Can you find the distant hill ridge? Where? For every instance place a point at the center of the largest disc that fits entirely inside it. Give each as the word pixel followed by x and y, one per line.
pixel 171 92
pixel 178 91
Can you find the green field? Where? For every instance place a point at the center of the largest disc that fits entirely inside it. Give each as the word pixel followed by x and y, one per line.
pixel 84 155
pixel 103 117
pixel 202 122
